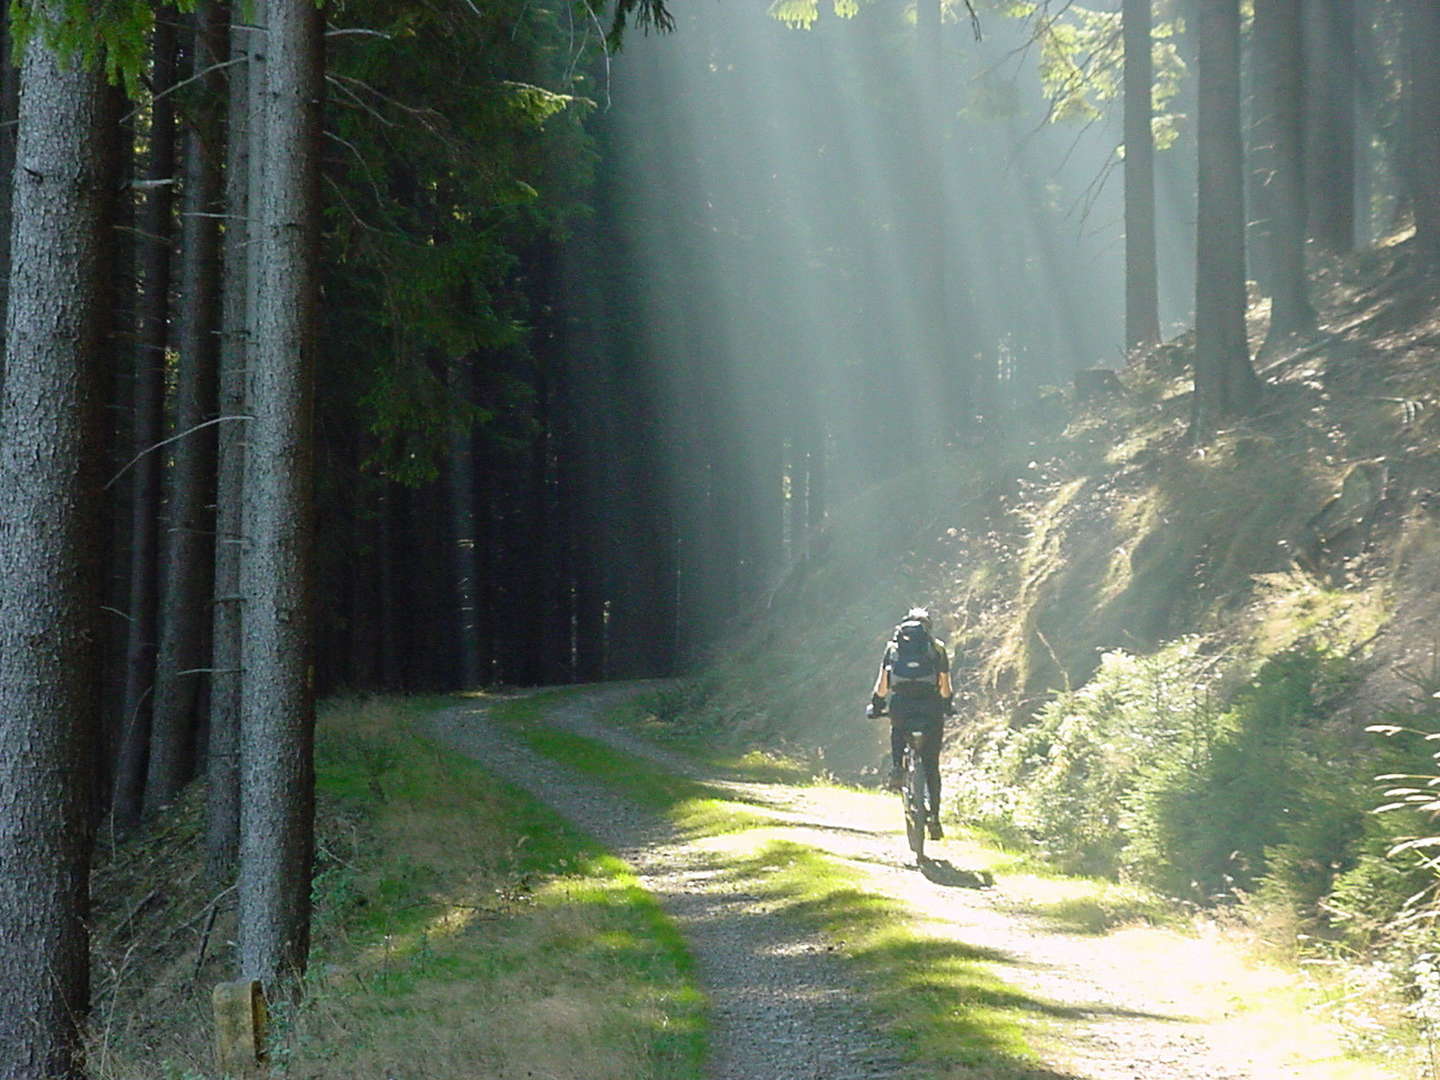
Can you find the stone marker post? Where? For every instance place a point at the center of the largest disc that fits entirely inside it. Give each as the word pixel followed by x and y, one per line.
pixel 240 1021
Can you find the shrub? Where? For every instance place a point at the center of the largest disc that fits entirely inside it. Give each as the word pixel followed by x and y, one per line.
pixel 1073 768
pixel 1263 791
pixel 1143 772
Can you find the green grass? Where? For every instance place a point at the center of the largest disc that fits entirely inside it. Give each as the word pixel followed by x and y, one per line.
pixel 465 929
pixel 697 809
pixel 660 717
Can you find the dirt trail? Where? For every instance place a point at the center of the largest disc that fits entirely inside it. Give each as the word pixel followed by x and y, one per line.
pixel 783 1005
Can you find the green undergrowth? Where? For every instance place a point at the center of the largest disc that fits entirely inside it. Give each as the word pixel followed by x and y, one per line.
pixel 460 929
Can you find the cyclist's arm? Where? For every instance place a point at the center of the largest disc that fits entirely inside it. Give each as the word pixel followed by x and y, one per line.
pixel 945 688
pixel 882 678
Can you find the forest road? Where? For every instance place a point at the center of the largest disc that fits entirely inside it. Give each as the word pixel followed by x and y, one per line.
pixel 784 1004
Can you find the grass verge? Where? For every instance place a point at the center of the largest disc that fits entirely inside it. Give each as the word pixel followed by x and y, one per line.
pixel 460 930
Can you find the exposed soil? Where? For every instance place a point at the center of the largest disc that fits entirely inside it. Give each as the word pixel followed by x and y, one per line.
pixel 784 1006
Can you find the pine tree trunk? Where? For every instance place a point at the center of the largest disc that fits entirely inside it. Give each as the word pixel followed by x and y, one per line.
pixel 1279 164
pixel 391 676
pixel 156 221
pixel 222 762
pixel 1330 88
pixel 189 562
pixel 9 101
pixel 1423 115
pixel 49 532
pixel 278 712
pixel 1142 300
pixel 937 415
pixel 1225 383
pixel 461 477
pixel 117 298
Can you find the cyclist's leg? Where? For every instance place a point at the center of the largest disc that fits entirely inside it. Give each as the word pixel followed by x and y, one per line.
pixel 897 751
pixel 930 757
pixel 897 742
pixel 930 760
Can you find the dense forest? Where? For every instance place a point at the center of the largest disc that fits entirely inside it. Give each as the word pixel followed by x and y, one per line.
pixel 407 346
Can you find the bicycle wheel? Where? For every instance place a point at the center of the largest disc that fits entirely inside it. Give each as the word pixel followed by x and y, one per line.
pixel 914 796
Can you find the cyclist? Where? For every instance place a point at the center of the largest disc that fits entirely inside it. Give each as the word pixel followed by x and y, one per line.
pixel 913 686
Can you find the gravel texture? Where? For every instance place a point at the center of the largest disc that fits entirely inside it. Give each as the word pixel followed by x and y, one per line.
pixel 783 1004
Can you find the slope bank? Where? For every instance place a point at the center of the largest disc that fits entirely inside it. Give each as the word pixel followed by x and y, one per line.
pixel 1279 582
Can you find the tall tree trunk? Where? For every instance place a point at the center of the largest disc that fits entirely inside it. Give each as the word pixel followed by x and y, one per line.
pixel 1330 88
pixel 148 420
pixel 1225 383
pixel 391 676
pixel 117 300
pixel 1279 164
pixel 9 101
pixel 189 544
pixel 278 717
pixel 937 416
pixel 1142 297
pixel 464 563
pixel 222 763
pixel 50 447
pixel 1422 101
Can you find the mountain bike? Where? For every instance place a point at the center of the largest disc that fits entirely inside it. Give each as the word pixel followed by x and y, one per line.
pixel 912 792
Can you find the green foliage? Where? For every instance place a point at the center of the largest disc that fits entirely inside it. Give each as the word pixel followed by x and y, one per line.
pixel 1142 772
pixel 459 153
pixel 803 14
pixel 1392 889
pixel 1072 769
pixel 112 33
pixel 1256 797
pixel 1082 59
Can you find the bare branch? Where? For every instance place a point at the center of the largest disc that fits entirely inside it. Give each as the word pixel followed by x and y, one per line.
pixel 166 442
pixel 219 65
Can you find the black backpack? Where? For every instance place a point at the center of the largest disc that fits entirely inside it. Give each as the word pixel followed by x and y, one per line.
pixel 915 664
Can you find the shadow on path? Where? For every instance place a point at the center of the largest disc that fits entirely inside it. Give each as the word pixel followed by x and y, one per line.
pixel 943 872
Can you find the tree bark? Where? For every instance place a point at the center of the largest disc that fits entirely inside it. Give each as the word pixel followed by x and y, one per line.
pixel 1279 164
pixel 1330 58
pixel 1142 298
pixel 464 565
pixel 937 414
pixel 277 729
pixel 49 532
pixel 1225 383
pixel 222 766
pixel 189 547
pixel 1423 120
pixel 156 222
pixel 9 101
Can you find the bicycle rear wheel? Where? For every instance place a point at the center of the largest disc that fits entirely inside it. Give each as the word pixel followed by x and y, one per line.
pixel 913 795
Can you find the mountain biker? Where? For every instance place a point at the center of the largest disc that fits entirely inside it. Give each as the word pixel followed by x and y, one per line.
pixel 918 700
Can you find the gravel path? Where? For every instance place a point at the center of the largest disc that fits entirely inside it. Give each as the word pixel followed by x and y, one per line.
pixel 783 1004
